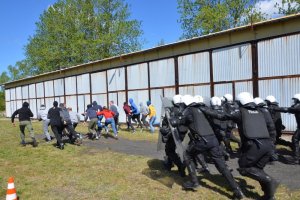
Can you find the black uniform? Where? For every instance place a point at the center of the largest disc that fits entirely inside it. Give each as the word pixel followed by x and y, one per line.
pixel 205 141
pixel 220 128
pixel 167 138
pixel 67 124
pixel 256 146
pixel 228 108
pixel 276 116
pixel 56 124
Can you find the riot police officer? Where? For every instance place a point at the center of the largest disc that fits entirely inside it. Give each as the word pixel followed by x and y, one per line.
pixel 256 146
pixel 229 106
pixel 167 138
pixel 262 106
pixel 204 141
pixel 276 116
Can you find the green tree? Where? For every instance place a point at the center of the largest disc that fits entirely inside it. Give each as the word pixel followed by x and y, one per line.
pixel 73 32
pixel 3 79
pixel 198 17
pixel 288 7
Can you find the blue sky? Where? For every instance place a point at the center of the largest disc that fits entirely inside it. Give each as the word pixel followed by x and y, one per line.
pixel 18 18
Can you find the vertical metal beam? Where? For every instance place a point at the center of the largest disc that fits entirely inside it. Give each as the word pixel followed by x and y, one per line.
pixel 76 93
pixel 90 77
pixel 107 94
pixel 212 85
pixel 254 54
pixel 176 75
pixel 65 99
pixel 148 71
pixel 44 93
pixel 126 84
pixel 233 89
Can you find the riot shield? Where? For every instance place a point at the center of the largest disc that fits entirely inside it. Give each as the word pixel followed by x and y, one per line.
pixel 166 106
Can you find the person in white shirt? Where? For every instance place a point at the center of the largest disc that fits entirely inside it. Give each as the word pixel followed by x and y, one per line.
pixel 75 117
pixel 42 116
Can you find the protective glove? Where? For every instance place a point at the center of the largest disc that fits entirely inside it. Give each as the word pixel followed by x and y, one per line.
pixel 174 122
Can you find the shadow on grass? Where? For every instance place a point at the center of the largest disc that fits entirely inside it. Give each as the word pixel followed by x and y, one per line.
pixel 157 172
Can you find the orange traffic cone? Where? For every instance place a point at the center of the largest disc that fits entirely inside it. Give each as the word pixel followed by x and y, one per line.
pixel 11 193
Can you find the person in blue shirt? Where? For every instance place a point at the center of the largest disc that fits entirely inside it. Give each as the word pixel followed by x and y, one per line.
pixel 135 113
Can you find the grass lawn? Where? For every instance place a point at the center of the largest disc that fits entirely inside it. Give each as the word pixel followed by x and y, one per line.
pixel 81 172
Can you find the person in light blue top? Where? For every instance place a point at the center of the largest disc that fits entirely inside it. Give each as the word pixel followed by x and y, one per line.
pixel 135 113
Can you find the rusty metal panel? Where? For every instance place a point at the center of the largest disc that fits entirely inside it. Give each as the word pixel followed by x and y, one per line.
pixel 116 79
pixel 39 90
pixel 101 99
pixel 32 91
pixel 221 89
pixel 121 100
pixel 70 85
pixel 49 91
pixel 19 93
pixel 71 101
pixel 169 92
pixel 49 102
pixel 13 106
pixel 232 63
pixel 59 87
pixel 83 101
pixel 7 95
pixel 13 94
pixel 140 96
pixel 25 92
pixel 137 76
pixel 33 108
pixel 162 73
pixel 8 109
pixel 203 90
pixel 19 104
pixel 156 101
pixel 98 81
pixel 194 68
pixel 113 97
pixel 246 86
pixel 283 90
pixel 83 84
pixel 279 57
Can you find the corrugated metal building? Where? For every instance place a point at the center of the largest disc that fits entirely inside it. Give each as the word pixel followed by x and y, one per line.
pixel 262 58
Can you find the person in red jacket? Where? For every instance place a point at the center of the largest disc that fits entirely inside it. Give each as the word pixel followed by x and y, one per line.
pixel 109 119
pixel 128 113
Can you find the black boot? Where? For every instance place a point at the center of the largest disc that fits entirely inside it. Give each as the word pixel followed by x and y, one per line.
pixel 201 160
pixel 193 184
pixel 238 194
pixel 23 143
pixel 269 190
pixel 34 143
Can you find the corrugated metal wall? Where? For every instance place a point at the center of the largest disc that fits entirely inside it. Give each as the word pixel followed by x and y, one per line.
pixel 232 63
pixel 232 72
pixel 279 57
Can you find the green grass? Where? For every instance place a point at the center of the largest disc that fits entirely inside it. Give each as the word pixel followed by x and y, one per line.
pixel 86 173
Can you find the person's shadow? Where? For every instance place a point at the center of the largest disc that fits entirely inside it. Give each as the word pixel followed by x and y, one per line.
pixel 157 172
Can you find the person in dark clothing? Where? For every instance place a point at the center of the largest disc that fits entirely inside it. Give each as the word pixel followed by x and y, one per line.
pixel 204 141
pixel 276 116
pixel 262 106
pixel 114 108
pixel 24 122
pixel 56 124
pixel 229 106
pixel 167 138
pixel 67 124
pixel 91 114
pixel 257 144
pixel 98 108
pixel 219 127
pixel 128 113
pixel 294 109
pixel 135 113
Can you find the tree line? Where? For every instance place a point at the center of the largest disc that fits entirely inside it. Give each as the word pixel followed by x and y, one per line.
pixel 72 32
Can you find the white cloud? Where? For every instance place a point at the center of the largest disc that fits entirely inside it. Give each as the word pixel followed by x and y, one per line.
pixel 268 7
